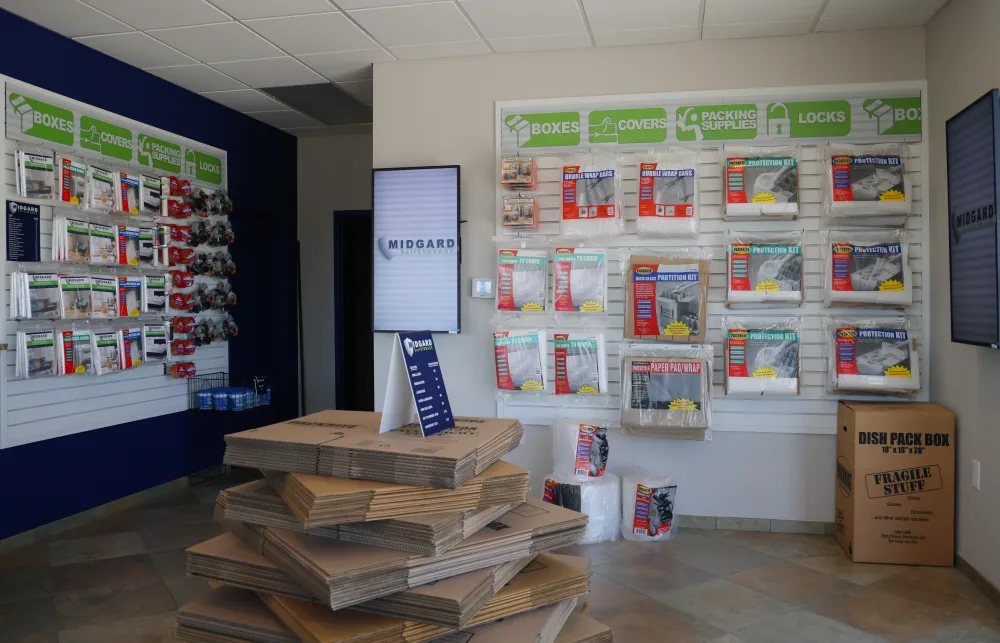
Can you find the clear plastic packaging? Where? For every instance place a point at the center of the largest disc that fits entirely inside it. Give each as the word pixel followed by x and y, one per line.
pixel 101 193
pixel 763 356
pixel 36 175
pixel 581 366
pixel 35 295
pixel 73 351
pixel 581 280
pixel 761 182
pixel 521 360
pixel 666 390
pixel 648 503
pixel 36 354
pixel 106 349
pixel 866 268
pixel 866 180
pixel 522 280
pixel 592 195
pixel 519 213
pixel 666 295
pixel 599 498
pixel 580 449
pixel 764 268
pixel 872 356
pixel 669 193
pixel 518 172
pixel 71 179
pixel 74 296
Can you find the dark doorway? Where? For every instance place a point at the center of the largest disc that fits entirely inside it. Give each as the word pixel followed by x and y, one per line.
pixel 352 310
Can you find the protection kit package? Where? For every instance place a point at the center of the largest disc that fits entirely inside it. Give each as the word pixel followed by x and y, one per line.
pixel 522 280
pixel 36 354
pixel 103 243
pixel 872 355
pixel 666 296
pixel 580 363
pixel 521 360
pixel 71 182
pixel 866 268
pixel 764 268
pixel 648 508
pixel 519 213
pixel 592 195
pixel 73 351
pixel 106 352
pixel 580 449
pixel 761 182
pixel 517 172
pixel 75 301
pixel 763 356
pixel 580 280
pixel 599 498
pixel 36 175
pixel 668 193
pixel 35 295
pixel 104 296
pixel 100 188
pixel 666 390
pixel 867 180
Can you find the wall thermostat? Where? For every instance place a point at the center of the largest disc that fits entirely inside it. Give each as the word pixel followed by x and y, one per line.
pixel 482 288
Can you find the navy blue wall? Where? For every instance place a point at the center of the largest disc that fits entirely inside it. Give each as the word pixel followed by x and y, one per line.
pixel 45 481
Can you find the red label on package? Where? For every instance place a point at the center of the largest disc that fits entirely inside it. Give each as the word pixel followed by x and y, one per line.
pixel 504 380
pixel 736 191
pixel 182 347
pixel 584 445
pixel 847 353
pixel 651 203
pixel 843 190
pixel 736 353
pixel 841 269
pixel 739 267
pixel 549 495
pixel 672 368
pixel 642 520
pixel 581 196
pixel 68 353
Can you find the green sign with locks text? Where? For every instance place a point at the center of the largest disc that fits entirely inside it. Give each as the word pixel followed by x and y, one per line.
pixel 207 167
pixel 624 126
pixel 716 122
pixel 551 129
pixel 894 116
pixel 107 138
pixel 809 119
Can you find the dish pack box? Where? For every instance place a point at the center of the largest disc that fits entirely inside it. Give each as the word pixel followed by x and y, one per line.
pixel 895 497
pixel 665 298
pixel 347 444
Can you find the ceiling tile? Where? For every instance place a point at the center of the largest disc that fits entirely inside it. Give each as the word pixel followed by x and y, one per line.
pixel 247 9
pixel 217 43
pixel 645 36
pixel 285 118
pixel 68 17
pixel 271 72
pixel 197 78
pixel 346 65
pixel 368 4
pixel 422 24
pixel 848 8
pixel 245 100
pixel 729 12
pixel 621 15
pixel 360 89
pixel 757 30
pixel 540 43
pixel 136 49
pixel 156 14
pixel 873 21
pixel 441 50
pixel 314 34
pixel 510 18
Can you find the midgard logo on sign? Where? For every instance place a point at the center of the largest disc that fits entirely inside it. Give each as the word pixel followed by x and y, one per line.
pixel 626 126
pixel 41 120
pixel 207 167
pixel 716 122
pixel 157 153
pixel 394 247
pixel 106 138
pixel 557 129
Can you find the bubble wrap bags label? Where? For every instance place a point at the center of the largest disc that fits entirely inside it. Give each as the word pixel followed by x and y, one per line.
pixel 580 367
pixel 653 514
pixel 588 194
pixel 762 273
pixel 666 192
pixel 875 359
pixel 520 360
pixel 762 362
pixel 761 185
pixel 521 280
pixel 580 280
pixel 666 299
pixel 869 274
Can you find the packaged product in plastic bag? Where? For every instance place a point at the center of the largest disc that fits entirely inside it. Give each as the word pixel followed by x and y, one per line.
pixel 866 268
pixel 666 296
pixel 592 195
pixel 865 180
pixel 761 182
pixel 518 172
pixel 580 363
pixel 669 195
pixel 519 213
pixel 522 280
pixel 872 355
pixel 580 449
pixel 599 498
pixel 763 356
pixel 648 507
pixel 521 359
pixel 764 268
pixel 581 276
pixel 666 390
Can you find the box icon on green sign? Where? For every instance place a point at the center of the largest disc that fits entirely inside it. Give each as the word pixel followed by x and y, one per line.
pixel 554 129
pixel 43 120
pixel 895 116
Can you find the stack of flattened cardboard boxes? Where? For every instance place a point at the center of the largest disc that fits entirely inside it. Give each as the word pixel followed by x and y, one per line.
pixel 359 537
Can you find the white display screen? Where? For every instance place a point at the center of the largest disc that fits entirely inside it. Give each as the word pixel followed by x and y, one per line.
pixel 416 249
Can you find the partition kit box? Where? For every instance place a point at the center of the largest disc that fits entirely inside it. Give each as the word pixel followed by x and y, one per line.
pixel 671 309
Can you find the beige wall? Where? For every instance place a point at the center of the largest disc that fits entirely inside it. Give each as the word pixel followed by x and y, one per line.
pixel 442 111
pixel 335 173
pixel 962 54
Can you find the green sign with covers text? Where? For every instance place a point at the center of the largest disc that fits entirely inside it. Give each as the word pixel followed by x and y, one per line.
pixel 553 129
pixel 160 154
pixel 107 138
pixel 42 120
pixel 624 126
pixel 716 122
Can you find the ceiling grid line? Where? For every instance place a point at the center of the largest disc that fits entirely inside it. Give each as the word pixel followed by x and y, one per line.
pixel 479 33
pixel 586 22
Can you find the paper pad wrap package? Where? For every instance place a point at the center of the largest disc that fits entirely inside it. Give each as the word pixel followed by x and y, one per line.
pixel 599 498
pixel 666 390
pixel 668 193
pixel 873 355
pixel 764 268
pixel 648 508
pixel 866 268
pixel 761 183
pixel 763 356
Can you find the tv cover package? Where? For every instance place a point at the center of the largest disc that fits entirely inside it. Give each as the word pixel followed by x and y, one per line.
pixel 580 363
pixel 522 280
pixel 521 360
pixel 580 280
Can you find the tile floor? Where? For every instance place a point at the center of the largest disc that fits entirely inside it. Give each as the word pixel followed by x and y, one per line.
pixel 119 580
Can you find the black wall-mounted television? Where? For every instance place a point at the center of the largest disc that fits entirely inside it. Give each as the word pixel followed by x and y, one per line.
pixel 973 155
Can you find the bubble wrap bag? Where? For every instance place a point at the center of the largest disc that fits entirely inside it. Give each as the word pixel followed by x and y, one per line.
pixel 599 498
pixel 872 355
pixel 522 280
pixel 669 194
pixel 761 182
pixel 648 508
pixel 764 268
pixel 866 268
pixel 592 195
pixel 666 390
pixel 580 449
pixel 763 356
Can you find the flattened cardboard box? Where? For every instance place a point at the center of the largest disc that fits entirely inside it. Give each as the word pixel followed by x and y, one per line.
pixel 895 497
pixel 228 614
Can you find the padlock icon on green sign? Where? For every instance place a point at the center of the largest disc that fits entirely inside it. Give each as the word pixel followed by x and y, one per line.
pixel 779 125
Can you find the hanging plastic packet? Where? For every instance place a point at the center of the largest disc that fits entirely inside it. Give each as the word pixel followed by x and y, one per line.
pixel 74 351
pixel 128 245
pixel 592 195
pixel 149 194
pixel 44 296
pixel 182 347
pixel 129 296
pixel 866 180
pixel 104 296
pixel 872 355
pixel 763 356
pixel 100 188
pixel 36 175
pixel 72 179
pixel 521 359
pixel 154 343
pixel 130 347
pixel 598 498
pixel 765 268
pixel 128 192
pixel 666 390
pixel 36 354
pixel 161 245
pixel 75 299
pixel 581 276
pixel 182 324
pixel 147 246
pixel 580 449
pixel 519 213
pixel 172 186
pixel 648 503
pixel 580 363
pixel 522 280
pixel 154 294
pixel 518 172
pixel 183 370
pixel 666 296
pixel 180 256
pixel 866 268
pixel 669 194
pixel 761 182
pixel 106 352
pixel 77 240
pixel 103 244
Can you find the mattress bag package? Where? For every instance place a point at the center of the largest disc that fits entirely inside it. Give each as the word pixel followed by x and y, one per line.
pixel 863 180
pixel 581 276
pixel 763 357
pixel 522 280
pixel 580 449
pixel 668 193
pixel 878 356
pixel 599 498
pixel 580 363
pixel 866 268
pixel 592 195
pixel 648 508
pixel 761 182
pixel 666 390
pixel 521 359
pixel 765 268
pixel 666 296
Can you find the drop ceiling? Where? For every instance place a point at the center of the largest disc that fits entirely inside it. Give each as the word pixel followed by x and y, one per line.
pixel 260 57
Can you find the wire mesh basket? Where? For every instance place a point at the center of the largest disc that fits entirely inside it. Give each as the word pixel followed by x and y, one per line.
pixel 220 392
